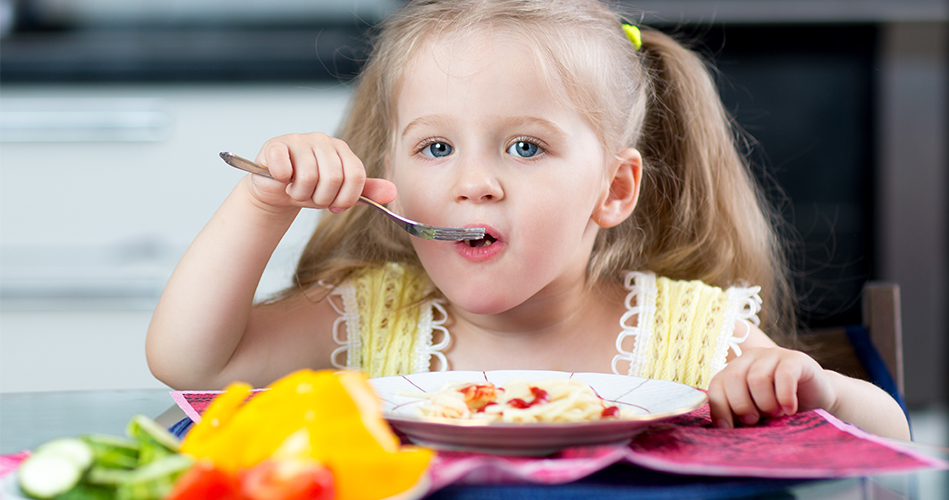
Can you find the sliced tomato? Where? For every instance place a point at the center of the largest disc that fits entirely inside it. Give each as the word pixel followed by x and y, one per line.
pixel 288 479
pixel 203 481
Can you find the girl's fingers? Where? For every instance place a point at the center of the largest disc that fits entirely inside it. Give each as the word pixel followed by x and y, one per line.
pixel 305 176
pixel 761 385
pixel 741 403
pixel 729 396
pixel 719 409
pixel 786 379
pixel 276 156
pixel 379 190
pixel 320 172
pixel 770 380
pixel 354 179
pixel 330 168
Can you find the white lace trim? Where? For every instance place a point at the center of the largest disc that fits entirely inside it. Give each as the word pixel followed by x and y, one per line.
pixel 642 287
pixel 742 307
pixel 427 323
pixel 432 316
pixel 348 315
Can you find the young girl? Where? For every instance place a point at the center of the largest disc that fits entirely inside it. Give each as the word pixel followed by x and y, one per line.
pixel 623 228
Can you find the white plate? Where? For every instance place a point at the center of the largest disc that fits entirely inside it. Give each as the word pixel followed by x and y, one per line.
pixel 10 489
pixel 651 400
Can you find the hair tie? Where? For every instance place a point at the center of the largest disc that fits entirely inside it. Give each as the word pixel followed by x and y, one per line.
pixel 634 35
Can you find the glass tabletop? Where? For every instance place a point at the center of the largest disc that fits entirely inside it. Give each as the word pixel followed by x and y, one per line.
pixel 30 419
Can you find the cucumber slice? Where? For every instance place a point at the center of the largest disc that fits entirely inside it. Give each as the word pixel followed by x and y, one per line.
pixel 155 480
pixel 72 449
pixel 45 475
pixel 113 451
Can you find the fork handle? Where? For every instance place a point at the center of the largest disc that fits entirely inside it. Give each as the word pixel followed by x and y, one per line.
pixel 256 168
pixel 245 164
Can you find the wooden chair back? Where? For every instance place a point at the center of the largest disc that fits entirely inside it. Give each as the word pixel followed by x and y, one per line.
pixel 832 348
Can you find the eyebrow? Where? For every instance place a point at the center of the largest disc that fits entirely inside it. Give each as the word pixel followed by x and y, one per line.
pixel 435 120
pixel 432 120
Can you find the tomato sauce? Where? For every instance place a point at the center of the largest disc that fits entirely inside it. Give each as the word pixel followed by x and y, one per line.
pixel 610 411
pixel 540 397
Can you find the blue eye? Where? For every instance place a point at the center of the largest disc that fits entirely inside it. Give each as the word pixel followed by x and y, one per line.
pixel 438 150
pixel 523 149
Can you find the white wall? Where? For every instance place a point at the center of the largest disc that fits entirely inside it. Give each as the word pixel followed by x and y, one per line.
pixel 92 225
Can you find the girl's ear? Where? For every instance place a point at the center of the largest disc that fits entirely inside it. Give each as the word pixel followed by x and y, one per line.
pixel 624 189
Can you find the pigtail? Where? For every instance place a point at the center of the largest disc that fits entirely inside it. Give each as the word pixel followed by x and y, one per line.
pixel 702 213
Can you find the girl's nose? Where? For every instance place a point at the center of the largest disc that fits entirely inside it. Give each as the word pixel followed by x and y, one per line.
pixel 477 183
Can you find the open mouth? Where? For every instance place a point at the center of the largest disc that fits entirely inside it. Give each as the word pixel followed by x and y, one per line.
pixel 483 242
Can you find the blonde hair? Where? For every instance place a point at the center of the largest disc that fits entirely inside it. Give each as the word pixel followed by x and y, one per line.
pixel 700 214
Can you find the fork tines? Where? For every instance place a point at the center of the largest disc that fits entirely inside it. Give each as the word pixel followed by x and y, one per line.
pixel 446 233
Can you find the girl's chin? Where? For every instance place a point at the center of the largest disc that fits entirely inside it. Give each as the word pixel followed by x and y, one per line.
pixel 482 303
pixel 479 308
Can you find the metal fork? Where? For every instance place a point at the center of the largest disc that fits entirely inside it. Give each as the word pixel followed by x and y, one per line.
pixel 414 228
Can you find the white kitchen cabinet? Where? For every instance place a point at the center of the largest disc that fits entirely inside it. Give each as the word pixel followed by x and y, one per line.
pixel 93 223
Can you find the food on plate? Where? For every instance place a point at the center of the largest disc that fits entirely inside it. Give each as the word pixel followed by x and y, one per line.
pixel 552 400
pixel 144 466
pixel 317 418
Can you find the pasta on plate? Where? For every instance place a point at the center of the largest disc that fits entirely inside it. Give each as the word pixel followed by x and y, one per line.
pixel 519 401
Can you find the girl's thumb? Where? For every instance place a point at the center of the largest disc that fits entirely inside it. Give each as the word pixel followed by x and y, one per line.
pixel 379 190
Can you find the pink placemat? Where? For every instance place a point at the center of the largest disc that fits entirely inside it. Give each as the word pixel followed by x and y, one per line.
pixel 808 445
pixel 812 444
pixel 9 463
pixel 193 403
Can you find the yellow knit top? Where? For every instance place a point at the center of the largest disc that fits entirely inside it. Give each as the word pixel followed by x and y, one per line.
pixel 672 330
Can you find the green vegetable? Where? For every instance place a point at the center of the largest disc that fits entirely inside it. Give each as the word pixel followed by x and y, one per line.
pixel 155 480
pixel 156 441
pixel 113 451
pixel 100 467
pixel 84 491
pixel 108 476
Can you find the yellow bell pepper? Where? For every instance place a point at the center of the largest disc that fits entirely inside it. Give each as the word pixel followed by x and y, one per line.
pixel 334 418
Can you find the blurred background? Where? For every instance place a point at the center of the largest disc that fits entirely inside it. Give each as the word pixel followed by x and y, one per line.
pixel 112 113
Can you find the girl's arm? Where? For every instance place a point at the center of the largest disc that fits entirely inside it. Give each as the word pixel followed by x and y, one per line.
pixel 770 380
pixel 206 331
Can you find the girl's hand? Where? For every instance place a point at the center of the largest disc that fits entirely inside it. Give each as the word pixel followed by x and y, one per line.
pixel 769 381
pixel 315 171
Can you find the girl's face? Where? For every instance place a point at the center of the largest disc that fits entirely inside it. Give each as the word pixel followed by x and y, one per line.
pixel 484 138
